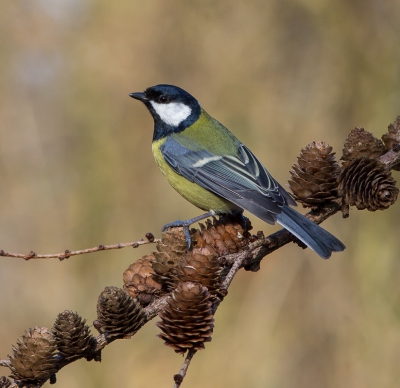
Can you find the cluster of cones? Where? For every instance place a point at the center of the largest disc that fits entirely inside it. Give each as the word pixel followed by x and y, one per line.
pixel 41 352
pixel 192 279
pixel 362 180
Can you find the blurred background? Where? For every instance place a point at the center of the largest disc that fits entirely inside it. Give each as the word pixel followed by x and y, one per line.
pixel 76 171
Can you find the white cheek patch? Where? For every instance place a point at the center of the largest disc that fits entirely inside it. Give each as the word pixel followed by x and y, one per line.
pixel 173 113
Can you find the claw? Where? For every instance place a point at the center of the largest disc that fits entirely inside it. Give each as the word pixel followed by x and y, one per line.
pixel 187 235
pixel 185 224
pixel 175 224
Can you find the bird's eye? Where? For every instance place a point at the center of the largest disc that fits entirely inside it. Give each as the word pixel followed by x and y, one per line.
pixel 163 99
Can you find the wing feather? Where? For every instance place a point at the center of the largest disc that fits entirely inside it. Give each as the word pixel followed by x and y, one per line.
pixel 242 180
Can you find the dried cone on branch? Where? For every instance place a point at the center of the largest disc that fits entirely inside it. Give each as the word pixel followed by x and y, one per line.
pixel 201 265
pixel 139 281
pixel 187 321
pixel 171 249
pixel 361 144
pixel 314 178
pixel 221 237
pixel 33 360
pixel 367 184
pixel 72 336
pixel 118 314
pixel 392 138
pixel 199 268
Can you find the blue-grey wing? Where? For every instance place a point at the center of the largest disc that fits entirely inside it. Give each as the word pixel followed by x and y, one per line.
pixel 240 179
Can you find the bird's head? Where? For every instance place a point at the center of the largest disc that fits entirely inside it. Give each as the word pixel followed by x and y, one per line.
pixel 173 109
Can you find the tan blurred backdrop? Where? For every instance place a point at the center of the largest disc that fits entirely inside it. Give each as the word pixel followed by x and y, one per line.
pixel 77 171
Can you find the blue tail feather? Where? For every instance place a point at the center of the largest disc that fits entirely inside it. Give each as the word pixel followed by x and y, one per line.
pixel 311 234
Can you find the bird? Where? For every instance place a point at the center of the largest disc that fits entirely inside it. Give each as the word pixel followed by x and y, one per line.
pixel 207 165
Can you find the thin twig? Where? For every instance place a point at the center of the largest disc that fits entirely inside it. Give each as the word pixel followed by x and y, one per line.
pixel 67 253
pixel 239 260
pixel 182 373
pixel 154 308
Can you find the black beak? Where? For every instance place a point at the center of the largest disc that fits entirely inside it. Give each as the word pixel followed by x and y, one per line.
pixel 138 96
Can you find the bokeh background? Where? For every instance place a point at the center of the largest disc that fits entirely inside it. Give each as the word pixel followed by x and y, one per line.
pixel 76 171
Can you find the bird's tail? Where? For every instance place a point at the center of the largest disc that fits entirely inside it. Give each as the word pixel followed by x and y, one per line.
pixel 311 234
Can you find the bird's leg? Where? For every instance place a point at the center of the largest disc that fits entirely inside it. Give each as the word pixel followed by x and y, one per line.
pixel 239 217
pixel 246 224
pixel 185 224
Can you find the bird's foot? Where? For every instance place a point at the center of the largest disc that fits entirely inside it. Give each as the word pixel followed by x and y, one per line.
pixel 185 225
pixel 246 225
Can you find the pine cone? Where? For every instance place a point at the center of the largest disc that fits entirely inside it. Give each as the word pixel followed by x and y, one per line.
pixel 367 184
pixel 187 321
pixel 4 382
pixel 139 281
pixel 221 237
pixel 361 144
pixel 72 336
pixel 199 268
pixel 392 138
pixel 118 314
pixel 314 179
pixel 174 264
pixel 33 360
pixel 170 250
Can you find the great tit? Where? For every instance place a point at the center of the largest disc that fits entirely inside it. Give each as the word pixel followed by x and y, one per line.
pixel 212 169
